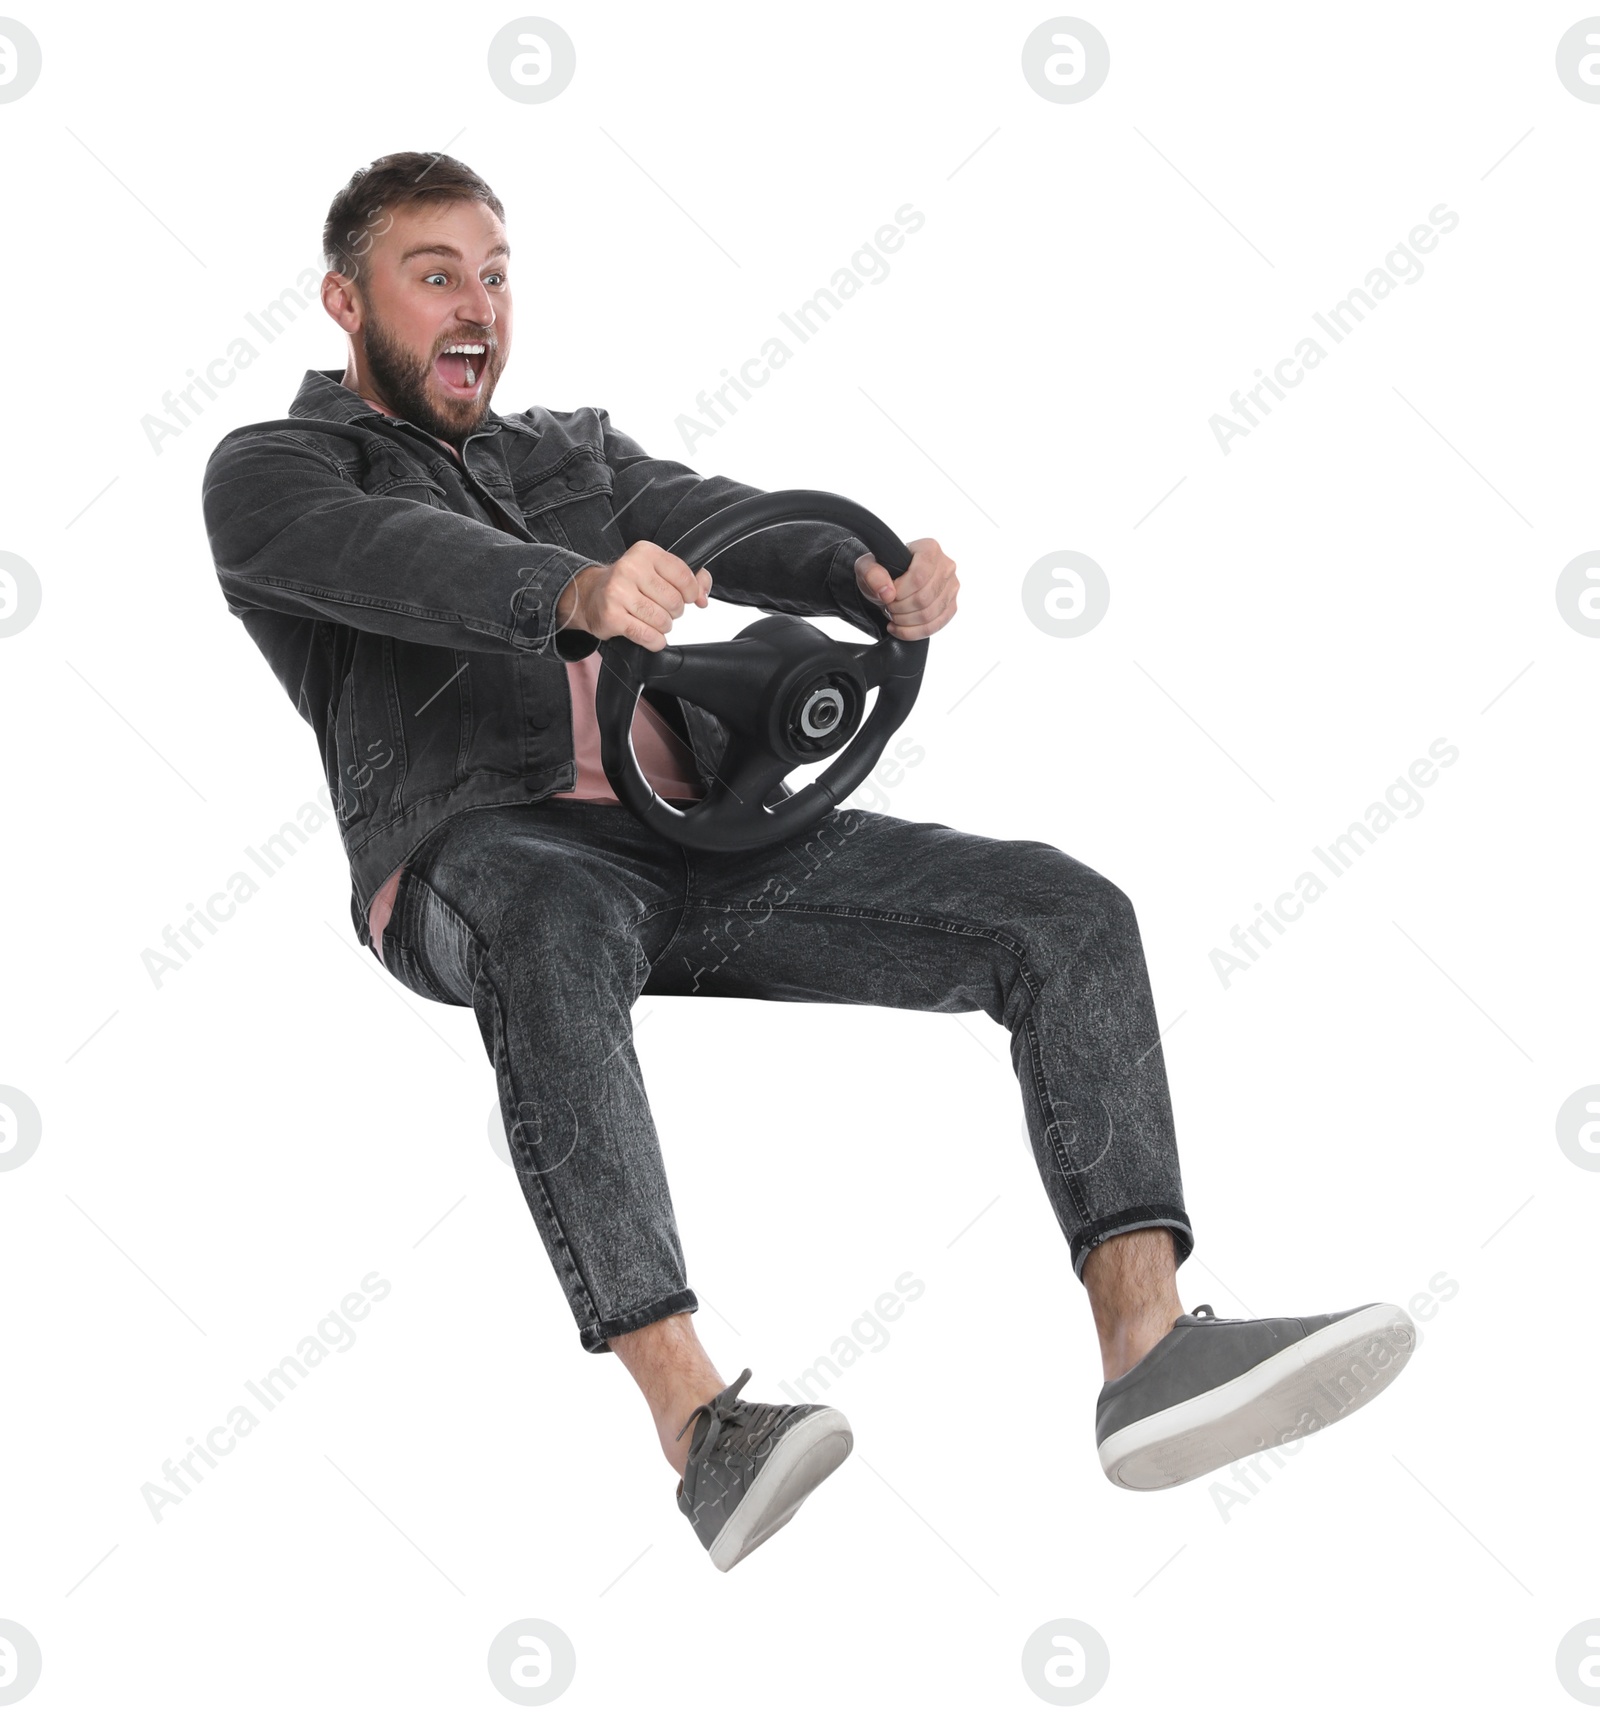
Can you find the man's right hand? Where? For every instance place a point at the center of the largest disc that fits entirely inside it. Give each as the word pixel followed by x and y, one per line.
pixel 637 596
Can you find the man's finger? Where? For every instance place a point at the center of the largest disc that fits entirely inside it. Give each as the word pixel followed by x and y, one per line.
pixel 653 615
pixel 676 570
pixel 920 606
pixel 927 617
pixel 640 631
pixel 877 580
pixel 928 570
pixel 662 592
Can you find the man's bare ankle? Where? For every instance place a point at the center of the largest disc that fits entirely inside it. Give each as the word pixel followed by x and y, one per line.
pixel 1122 1350
pixel 674 1374
pixel 1133 1294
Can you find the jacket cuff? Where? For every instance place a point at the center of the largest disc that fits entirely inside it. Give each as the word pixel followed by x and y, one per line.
pixel 570 644
pixel 533 607
pixel 849 601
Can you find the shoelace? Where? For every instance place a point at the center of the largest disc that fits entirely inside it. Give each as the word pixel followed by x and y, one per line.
pixel 742 1423
pixel 726 1410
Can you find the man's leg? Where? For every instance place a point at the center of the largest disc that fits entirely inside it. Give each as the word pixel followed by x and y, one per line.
pixel 674 1374
pixel 1133 1292
pixel 543 918
pixel 868 909
pixel 872 910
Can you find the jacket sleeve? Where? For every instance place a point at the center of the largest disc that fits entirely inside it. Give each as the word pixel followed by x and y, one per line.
pixel 803 568
pixel 289 532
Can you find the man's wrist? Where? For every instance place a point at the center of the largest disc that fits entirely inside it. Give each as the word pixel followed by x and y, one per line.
pixel 569 602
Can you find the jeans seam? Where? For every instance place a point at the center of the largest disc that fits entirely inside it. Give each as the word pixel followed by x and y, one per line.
pixel 483 975
pixel 1143 1215
pixel 503 1069
pixel 415 943
pixel 683 907
pixel 641 964
pixel 681 1299
pixel 405 926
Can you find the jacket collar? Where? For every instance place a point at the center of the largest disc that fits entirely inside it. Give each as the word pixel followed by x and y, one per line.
pixel 322 395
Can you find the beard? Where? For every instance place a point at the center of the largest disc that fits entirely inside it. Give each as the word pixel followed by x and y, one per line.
pixel 407 383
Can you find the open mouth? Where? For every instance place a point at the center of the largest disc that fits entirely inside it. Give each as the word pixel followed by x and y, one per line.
pixel 461 368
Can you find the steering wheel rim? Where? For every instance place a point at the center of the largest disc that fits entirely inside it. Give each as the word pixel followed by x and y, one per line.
pixel 788 693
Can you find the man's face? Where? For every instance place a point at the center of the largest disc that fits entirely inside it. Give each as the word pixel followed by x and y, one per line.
pixel 438 277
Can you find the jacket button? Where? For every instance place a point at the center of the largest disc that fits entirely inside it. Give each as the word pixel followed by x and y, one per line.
pixel 575 483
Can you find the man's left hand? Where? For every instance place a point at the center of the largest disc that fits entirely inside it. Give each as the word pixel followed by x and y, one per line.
pixel 923 599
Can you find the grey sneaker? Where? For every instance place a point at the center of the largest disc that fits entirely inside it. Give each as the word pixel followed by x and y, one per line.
pixel 751 1465
pixel 1214 1389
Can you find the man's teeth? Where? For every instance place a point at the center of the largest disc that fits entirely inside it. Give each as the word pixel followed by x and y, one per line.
pixel 468 348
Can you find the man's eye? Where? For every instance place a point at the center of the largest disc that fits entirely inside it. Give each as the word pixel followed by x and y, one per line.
pixel 437 275
pixel 497 275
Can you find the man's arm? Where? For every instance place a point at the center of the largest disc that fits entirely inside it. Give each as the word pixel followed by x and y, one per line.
pixel 290 533
pixel 805 569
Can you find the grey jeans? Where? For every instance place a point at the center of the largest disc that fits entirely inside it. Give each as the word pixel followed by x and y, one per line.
pixel 550 918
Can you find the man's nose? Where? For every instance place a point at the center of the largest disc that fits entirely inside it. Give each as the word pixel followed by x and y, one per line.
pixel 475 307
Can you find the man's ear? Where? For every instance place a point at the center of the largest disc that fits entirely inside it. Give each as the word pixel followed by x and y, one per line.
pixel 339 301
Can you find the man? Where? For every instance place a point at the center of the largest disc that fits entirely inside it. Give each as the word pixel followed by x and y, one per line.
pixel 430 581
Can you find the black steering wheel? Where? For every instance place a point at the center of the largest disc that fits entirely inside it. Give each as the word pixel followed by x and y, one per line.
pixel 788 693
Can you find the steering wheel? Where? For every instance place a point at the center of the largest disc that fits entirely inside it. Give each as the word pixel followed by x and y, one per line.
pixel 788 693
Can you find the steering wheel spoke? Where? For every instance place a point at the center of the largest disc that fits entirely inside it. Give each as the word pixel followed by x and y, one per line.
pixel 725 677
pixel 744 776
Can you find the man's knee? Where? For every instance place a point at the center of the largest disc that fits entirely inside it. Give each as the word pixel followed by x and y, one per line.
pixel 1082 891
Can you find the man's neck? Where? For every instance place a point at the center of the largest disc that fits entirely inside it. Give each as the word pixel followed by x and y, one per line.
pixel 379 407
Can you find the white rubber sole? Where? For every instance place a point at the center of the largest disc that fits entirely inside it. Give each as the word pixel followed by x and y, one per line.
pixel 801 1461
pixel 1311 1384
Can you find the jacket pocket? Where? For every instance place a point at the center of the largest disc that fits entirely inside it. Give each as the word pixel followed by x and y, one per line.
pixel 351 803
pixel 577 493
pixel 390 473
pixel 430 693
pixel 367 742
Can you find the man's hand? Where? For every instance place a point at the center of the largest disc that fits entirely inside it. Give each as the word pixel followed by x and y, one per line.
pixel 638 595
pixel 923 600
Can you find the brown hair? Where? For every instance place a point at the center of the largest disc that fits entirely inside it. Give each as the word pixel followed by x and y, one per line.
pixel 361 212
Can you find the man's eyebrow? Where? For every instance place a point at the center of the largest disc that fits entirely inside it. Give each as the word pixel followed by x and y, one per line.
pixel 439 250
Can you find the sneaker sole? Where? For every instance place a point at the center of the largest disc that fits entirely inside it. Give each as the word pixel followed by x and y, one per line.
pixel 1303 1388
pixel 801 1461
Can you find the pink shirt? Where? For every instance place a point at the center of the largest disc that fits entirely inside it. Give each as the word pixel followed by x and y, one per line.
pixel 665 762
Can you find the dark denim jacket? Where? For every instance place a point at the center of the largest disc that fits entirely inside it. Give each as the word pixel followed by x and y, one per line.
pixel 408 606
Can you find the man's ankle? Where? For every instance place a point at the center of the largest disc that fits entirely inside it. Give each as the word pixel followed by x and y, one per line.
pixel 1122 1349
pixel 1133 1294
pixel 671 1368
pixel 671 1420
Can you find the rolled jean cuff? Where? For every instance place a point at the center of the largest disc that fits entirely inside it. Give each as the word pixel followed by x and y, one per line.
pixel 1131 1221
pixel 594 1336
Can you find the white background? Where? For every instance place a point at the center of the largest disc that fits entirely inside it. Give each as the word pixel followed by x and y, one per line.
pixel 1368 1107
